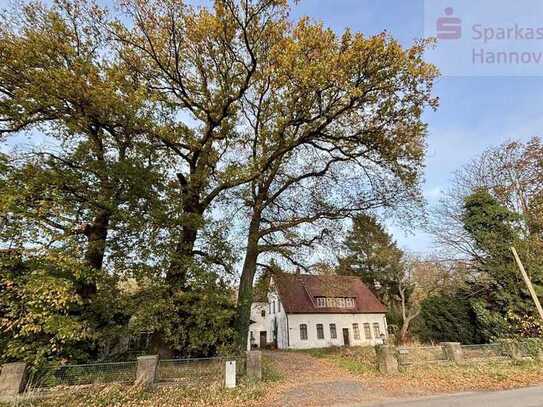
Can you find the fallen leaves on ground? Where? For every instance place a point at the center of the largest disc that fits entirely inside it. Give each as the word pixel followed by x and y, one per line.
pixel 435 378
pixel 288 371
pixel 165 395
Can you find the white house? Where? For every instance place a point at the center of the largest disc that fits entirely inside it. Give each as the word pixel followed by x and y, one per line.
pixel 314 311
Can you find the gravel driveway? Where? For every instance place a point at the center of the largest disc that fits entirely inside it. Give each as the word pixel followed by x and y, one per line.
pixel 314 382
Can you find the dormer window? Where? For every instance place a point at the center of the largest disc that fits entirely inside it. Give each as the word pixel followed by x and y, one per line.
pixel 334 302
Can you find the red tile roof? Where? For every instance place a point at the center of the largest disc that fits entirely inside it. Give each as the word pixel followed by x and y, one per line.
pixel 298 292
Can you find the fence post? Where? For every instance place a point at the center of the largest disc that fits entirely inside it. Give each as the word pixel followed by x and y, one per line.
pixel 12 379
pixel 230 374
pixel 511 348
pixel 147 370
pixel 403 356
pixel 453 351
pixel 254 365
pixel 386 359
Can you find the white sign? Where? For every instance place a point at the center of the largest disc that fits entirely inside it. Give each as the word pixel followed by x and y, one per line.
pixel 230 376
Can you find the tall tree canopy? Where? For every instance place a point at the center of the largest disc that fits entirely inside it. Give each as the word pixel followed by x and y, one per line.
pixel 93 166
pixel 494 229
pixel 495 203
pixel 372 254
pixel 200 65
pixel 513 174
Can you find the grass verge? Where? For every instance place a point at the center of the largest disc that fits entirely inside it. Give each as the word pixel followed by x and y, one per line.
pixel 164 395
pixel 247 393
pixel 434 378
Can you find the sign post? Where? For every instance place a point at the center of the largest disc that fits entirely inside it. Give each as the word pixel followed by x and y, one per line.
pixel 230 376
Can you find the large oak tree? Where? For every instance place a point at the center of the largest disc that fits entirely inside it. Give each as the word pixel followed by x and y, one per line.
pixel 90 164
pixel 336 128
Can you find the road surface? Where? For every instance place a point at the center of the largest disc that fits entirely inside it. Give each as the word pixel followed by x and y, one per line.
pixel 529 397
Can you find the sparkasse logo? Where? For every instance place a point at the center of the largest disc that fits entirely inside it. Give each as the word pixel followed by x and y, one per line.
pixel 449 27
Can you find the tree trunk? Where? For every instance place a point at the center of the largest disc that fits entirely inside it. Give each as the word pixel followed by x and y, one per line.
pixel 96 233
pixel 245 293
pixel 193 212
pixel 407 318
pixel 404 333
pixel 184 248
pixel 184 253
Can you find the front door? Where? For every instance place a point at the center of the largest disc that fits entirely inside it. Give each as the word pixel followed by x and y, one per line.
pixel 346 340
pixel 263 339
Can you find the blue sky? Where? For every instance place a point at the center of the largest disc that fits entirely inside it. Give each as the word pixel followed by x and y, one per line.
pixel 475 112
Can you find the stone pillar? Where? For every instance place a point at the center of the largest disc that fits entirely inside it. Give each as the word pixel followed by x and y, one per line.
pixel 12 379
pixel 403 356
pixel 254 365
pixel 511 348
pixel 453 351
pixel 146 373
pixel 386 359
pixel 230 374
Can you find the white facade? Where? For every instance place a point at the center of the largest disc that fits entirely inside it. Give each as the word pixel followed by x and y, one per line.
pixel 277 320
pixel 348 322
pixel 312 330
pixel 259 324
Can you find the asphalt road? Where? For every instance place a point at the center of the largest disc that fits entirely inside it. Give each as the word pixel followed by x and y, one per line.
pixel 530 397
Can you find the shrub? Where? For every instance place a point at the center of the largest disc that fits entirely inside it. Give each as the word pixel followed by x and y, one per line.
pixel 447 319
pixel 42 318
pixel 196 321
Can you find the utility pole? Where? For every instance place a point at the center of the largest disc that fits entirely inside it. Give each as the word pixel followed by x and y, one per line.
pixel 528 282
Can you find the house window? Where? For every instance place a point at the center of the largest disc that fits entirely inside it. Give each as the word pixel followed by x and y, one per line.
pixel 376 330
pixel 367 331
pixel 269 308
pixel 333 302
pixel 273 307
pixel 320 331
pixel 356 332
pixel 303 332
pixel 263 313
pixel 278 306
pixel 333 332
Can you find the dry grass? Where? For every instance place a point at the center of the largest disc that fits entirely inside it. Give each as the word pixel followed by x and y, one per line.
pixel 478 376
pixel 434 378
pixel 191 393
pixel 246 394
pixel 295 370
